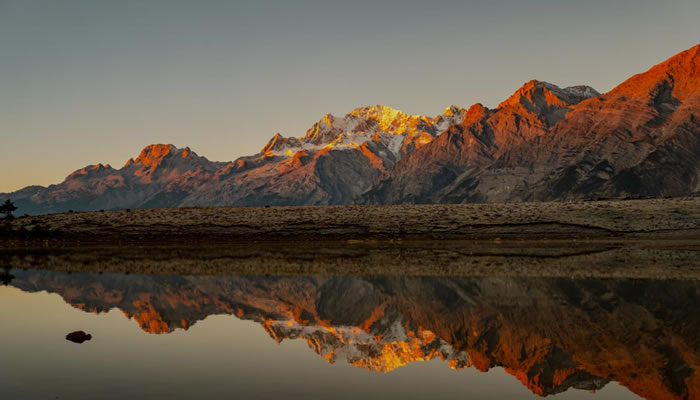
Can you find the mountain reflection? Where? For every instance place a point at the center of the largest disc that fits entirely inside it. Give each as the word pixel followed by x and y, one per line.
pixel 552 334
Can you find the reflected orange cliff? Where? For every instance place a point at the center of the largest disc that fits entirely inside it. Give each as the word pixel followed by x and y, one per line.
pixel 551 334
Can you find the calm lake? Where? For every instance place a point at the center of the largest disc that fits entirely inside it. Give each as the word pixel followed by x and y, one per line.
pixel 346 336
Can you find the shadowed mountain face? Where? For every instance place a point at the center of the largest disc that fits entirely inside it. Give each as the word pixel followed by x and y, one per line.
pixel 552 334
pixel 543 143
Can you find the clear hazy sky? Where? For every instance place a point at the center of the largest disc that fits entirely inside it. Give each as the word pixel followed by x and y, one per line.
pixel 91 81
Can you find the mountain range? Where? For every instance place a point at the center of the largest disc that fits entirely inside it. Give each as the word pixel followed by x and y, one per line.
pixel 543 143
pixel 552 334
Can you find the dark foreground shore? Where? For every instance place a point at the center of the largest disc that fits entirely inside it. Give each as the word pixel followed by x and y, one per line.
pixel 638 260
pixel 654 219
pixel 640 239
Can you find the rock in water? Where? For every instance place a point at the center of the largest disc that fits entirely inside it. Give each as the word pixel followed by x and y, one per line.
pixel 78 337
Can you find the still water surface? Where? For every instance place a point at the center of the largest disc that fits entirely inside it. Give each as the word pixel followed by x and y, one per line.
pixel 268 337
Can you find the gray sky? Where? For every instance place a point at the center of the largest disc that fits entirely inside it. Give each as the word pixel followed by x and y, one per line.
pixel 91 81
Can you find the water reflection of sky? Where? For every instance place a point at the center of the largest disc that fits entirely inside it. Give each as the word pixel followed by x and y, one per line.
pixel 220 357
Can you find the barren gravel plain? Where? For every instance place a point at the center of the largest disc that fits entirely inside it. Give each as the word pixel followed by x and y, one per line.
pixel 677 218
pixel 639 239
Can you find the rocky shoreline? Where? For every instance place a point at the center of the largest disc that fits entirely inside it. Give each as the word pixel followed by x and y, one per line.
pixel 614 260
pixel 641 239
pixel 627 220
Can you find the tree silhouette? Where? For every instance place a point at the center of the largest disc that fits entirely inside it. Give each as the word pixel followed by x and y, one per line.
pixel 7 207
pixel 5 276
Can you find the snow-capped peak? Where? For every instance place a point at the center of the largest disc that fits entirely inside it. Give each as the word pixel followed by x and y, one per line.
pixel 389 126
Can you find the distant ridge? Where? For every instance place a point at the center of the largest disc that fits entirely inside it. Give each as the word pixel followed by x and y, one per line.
pixel 544 143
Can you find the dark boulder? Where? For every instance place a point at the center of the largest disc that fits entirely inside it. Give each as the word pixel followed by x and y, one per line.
pixel 78 337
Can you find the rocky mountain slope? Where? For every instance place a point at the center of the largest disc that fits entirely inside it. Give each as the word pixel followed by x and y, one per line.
pixel 160 176
pixel 334 163
pixel 552 334
pixel 543 143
